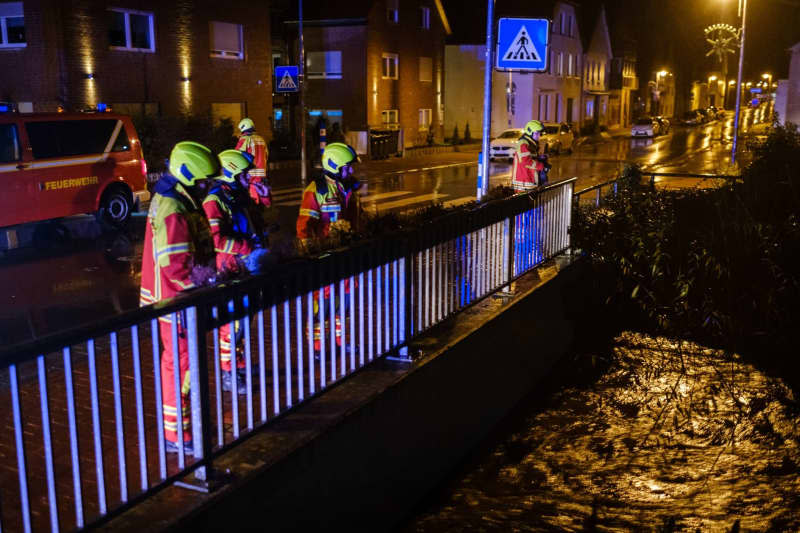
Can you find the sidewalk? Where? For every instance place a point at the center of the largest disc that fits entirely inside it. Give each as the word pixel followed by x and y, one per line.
pixel 603 136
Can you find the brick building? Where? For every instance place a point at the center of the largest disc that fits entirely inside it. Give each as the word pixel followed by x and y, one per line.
pixel 375 65
pixel 140 56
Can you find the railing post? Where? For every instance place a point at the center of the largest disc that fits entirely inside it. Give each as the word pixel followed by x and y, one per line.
pixel 511 242
pixel 199 395
pixel 597 197
pixel 653 181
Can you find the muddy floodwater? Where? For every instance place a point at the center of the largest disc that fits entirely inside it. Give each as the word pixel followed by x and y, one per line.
pixel 671 436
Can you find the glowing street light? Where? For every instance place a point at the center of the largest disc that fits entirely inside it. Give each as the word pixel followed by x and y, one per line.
pixel 743 6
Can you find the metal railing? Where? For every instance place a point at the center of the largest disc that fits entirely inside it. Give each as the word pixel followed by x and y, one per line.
pixel 613 185
pixel 85 408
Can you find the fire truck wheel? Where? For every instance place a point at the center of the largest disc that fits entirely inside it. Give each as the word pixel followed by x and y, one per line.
pixel 116 205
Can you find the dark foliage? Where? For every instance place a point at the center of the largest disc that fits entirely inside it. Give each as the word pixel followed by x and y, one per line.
pixel 159 134
pixel 720 264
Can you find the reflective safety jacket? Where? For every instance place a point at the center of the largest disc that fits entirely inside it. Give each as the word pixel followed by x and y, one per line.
pixel 326 200
pixel 525 172
pixel 176 238
pixel 234 235
pixel 254 145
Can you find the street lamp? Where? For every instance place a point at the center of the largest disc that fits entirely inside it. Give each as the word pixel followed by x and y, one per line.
pixel 660 74
pixel 739 83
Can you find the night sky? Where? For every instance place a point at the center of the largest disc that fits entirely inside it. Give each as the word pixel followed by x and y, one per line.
pixel 669 33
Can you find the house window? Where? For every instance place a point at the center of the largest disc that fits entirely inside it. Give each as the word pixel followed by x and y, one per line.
pixel 226 40
pixel 561 63
pixel 233 111
pixel 425 118
pixel 389 117
pixel 425 17
pixel 390 66
pixel 570 31
pixel 561 25
pixel 425 69
pixel 570 66
pixel 12 25
pixel 589 108
pixel 131 30
pixel 392 11
pixel 544 107
pixel 324 65
pixel 9 143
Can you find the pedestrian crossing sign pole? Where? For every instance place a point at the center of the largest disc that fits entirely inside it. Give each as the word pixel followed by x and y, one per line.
pixel 286 78
pixel 522 44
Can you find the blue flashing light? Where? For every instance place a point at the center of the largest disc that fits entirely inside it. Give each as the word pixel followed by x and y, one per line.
pixel 335 113
pixel 278 114
pixel 102 108
pixel 4 108
pixel 315 113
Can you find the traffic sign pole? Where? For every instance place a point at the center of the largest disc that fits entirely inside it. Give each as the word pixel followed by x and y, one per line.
pixel 483 170
pixel 302 85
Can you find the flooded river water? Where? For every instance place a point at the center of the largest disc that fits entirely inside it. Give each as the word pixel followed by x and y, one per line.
pixel 671 436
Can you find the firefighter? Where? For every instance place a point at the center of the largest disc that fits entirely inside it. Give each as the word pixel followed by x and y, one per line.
pixel 177 238
pixel 237 243
pixel 331 198
pixel 530 169
pixel 253 143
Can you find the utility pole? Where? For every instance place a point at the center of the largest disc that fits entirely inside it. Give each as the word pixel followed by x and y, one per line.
pixel 483 163
pixel 302 81
pixel 739 85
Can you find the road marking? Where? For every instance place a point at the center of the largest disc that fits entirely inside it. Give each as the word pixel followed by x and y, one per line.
pixel 413 200
pixel 371 198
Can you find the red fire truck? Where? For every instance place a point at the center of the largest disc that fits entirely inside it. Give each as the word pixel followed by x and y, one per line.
pixel 58 164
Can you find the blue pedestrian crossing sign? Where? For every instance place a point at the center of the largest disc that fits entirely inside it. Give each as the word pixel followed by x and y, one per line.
pixel 287 79
pixel 522 44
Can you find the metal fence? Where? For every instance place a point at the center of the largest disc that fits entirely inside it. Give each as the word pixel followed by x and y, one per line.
pixel 595 193
pixel 83 408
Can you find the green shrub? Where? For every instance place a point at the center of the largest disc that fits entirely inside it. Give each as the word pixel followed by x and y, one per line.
pixel 719 264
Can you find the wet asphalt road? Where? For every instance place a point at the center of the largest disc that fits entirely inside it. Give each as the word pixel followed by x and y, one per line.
pixel 70 281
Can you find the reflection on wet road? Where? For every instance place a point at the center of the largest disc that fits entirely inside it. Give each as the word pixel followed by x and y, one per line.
pixel 85 279
pixel 673 437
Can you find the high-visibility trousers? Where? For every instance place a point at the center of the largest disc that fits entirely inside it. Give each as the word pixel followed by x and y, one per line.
pixel 225 348
pixel 168 383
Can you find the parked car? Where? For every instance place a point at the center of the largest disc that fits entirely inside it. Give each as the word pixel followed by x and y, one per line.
pixel 645 127
pixel 663 125
pixel 59 164
pixel 705 116
pixel 504 146
pixel 715 112
pixel 691 118
pixel 557 138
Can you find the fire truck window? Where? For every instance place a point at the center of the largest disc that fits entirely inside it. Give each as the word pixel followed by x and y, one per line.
pixel 122 144
pixel 9 143
pixel 69 137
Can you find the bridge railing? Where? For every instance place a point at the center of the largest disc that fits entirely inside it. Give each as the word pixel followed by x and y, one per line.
pixel 86 410
pixel 596 193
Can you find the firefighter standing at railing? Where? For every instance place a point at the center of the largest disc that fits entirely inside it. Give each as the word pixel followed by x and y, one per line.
pixel 237 243
pixel 330 201
pixel 177 239
pixel 530 169
pixel 254 144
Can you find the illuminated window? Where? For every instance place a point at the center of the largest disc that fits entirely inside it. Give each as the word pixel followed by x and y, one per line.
pixel 570 66
pixel 389 117
pixel 324 65
pixel 12 25
pixel 131 30
pixel 392 11
pixel 425 118
pixel 390 66
pixel 425 69
pixel 425 17
pixel 226 40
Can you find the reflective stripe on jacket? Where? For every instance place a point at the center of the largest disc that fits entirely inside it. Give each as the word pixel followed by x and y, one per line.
pixel 524 172
pixel 325 200
pixel 176 239
pixel 254 145
pixel 230 225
